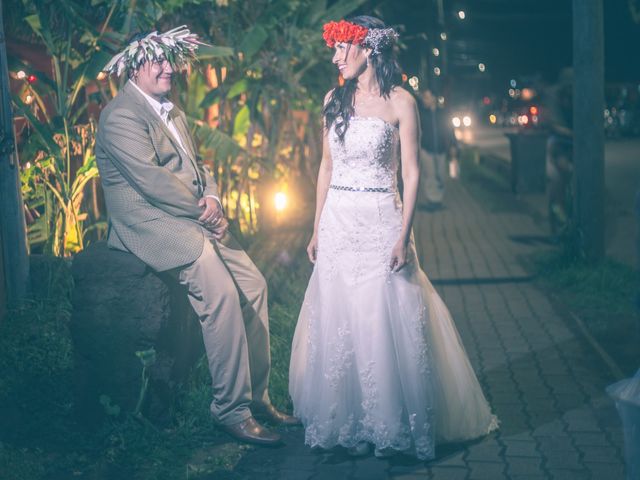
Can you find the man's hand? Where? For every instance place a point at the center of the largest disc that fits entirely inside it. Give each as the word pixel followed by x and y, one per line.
pixel 212 210
pixel 212 217
pixel 219 230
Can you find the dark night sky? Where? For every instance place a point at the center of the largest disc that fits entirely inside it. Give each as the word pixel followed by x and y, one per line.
pixel 517 38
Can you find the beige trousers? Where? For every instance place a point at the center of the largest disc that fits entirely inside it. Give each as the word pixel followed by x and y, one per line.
pixel 229 295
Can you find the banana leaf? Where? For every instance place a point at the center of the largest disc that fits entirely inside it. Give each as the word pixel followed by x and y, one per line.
pixel 208 52
pixel 253 41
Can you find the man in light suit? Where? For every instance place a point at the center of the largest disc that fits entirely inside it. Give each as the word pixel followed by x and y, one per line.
pixel 163 208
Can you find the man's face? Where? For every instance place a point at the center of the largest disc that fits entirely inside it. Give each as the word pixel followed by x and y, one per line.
pixel 154 78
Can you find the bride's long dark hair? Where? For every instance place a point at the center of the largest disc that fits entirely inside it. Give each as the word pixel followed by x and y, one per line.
pixel 339 109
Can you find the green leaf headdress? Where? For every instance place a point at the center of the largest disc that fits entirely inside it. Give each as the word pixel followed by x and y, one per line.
pixel 178 46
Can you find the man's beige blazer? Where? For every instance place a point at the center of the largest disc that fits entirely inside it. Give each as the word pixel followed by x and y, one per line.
pixel 151 186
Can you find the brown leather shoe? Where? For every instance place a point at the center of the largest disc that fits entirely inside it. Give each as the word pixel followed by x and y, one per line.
pixel 270 413
pixel 250 431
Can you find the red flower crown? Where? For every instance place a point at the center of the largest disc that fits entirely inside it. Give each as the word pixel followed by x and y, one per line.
pixel 343 31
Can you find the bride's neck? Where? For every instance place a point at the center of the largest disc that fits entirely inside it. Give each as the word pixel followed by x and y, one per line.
pixel 367 82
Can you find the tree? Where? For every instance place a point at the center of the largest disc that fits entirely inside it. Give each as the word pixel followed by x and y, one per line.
pixel 588 151
pixel 14 264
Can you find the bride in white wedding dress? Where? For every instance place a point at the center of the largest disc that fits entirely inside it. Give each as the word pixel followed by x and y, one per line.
pixel 376 358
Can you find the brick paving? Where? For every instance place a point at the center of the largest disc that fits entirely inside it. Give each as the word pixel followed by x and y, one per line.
pixel 545 383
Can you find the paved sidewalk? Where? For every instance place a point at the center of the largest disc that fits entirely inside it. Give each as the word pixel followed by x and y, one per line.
pixel 545 383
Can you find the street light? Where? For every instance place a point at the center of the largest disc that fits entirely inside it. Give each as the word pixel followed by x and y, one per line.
pixel 437 71
pixel 443 36
pixel 462 15
pixel 436 52
pixel 482 67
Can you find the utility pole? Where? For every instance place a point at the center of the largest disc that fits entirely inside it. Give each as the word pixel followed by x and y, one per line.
pixel 588 130
pixel 13 238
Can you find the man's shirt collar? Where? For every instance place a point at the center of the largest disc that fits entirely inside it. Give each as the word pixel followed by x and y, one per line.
pixel 161 108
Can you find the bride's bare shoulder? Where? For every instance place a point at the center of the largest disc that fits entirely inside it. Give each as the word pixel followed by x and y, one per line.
pixel 402 101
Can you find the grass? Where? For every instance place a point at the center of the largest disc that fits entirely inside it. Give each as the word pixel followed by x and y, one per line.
pixel 604 296
pixel 39 435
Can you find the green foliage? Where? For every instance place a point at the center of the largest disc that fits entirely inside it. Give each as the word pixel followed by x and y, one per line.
pixel 58 154
pixel 36 357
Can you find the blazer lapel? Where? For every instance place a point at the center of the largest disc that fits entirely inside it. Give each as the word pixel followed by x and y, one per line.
pixel 183 130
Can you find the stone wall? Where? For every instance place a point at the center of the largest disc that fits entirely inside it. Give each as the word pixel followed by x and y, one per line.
pixel 121 307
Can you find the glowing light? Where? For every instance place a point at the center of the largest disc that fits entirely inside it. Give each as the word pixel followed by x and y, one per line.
pixel 404 77
pixel 456 122
pixel 32 78
pixel 482 67
pixel 466 120
pixel 486 100
pixel 493 119
pixel 528 93
pixel 523 120
pixel 280 201
pixel 462 15
pixel 101 76
pixel 513 83
pixel 28 99
pixel 441 100
pixel 27 165
pixel 436 52
pixel 533 110
pixel 21 75
pixel 443 36
pixel 437 71
pixel 512 92
pixel 414 82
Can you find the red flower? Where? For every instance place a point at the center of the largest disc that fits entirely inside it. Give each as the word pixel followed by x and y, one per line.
pixel 343 31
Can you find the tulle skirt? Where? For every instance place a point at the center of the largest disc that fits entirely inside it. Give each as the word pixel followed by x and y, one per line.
pixel 376 356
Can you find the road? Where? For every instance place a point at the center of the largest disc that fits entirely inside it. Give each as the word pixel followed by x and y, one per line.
pixel 622 181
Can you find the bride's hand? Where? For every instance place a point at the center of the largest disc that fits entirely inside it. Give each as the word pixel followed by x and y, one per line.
pixel 312 248
pixel 398 256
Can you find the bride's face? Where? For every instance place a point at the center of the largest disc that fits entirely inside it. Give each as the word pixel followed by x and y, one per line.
pixel 350 59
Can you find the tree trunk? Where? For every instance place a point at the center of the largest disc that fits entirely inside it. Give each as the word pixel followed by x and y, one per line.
pixel 588 107
pixel 12 223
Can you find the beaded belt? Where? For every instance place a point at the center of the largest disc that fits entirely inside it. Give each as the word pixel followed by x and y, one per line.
pixel 362 189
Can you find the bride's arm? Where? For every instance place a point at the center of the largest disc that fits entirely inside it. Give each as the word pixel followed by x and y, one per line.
pixel 324 178
pixel 409 126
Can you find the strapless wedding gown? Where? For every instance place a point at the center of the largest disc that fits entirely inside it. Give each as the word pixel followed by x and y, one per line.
pixel 376 356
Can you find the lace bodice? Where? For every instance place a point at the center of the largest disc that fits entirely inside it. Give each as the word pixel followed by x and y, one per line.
pixel 369 155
